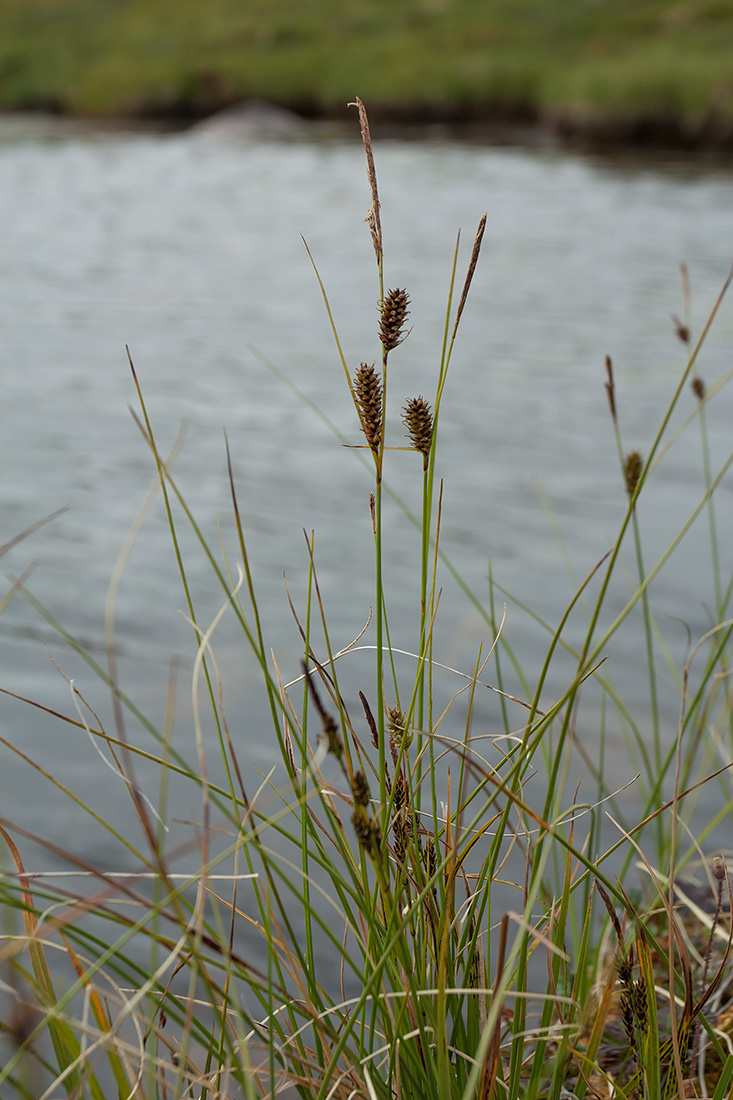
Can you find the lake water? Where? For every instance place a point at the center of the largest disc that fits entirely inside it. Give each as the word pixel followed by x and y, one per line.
pixel 190 252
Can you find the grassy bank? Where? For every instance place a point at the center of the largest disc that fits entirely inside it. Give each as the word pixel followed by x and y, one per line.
pixel 629 68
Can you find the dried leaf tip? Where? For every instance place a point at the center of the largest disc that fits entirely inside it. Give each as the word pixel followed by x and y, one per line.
pixel 471 270
pixel 372 218
pixel 393 314
pixel 633 465
pixel 418 419
pixel 368 387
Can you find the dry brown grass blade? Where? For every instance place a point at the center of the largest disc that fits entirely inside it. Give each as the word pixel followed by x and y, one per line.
pixel 373 219
pixel 471 271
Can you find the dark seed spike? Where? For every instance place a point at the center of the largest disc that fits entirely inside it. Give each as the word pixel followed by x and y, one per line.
pixel 330 730
pixel 360 789
pixel 370 720
pixel 682 331
pixel 417 417
pixel 393 315
pixel 367 832
pixel 395 731
pixel 633 466
pixel 611 912
pixel 641 1006
pixel 368 388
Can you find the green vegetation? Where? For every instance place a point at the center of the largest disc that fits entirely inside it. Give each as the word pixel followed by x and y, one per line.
pixel 413 904
pixel 661 62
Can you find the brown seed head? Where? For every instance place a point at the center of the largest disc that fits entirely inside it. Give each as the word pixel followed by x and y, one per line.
pixel 430 857
pixel 368 387
pixel 627 1017
pixel 623 968
pixel 333 738
pixel 392 318
pixel 640 1005
pixel 681 329
pixel 698 387
pixel 360 789
pixel 370 720
pixel 329 731
pixel 396 723
pixel 398 838
pixel 418 419
pixel 632 471
pixel 367 831
pixel 718 869
pixel 401 796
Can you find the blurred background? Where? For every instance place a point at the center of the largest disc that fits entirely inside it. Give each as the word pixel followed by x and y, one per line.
pixel 630 70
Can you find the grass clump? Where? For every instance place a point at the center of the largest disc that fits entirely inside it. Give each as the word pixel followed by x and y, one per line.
pixel 410 904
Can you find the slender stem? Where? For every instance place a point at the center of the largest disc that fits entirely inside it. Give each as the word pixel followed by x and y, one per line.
pixel 714 554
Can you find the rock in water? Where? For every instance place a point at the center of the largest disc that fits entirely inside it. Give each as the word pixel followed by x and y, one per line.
pixel 254 120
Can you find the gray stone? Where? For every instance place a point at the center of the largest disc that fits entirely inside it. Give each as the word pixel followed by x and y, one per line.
pixel 253 120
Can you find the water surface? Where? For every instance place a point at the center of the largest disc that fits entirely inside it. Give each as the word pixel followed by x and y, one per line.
pixel 190 253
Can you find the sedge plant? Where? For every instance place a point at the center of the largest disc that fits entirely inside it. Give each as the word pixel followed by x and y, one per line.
pixel 410 905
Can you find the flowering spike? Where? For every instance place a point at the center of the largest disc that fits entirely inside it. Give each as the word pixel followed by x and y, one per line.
pixel 368 389
pixel 418 419
pixel 392 319
pixel 632 471
pixel 698 387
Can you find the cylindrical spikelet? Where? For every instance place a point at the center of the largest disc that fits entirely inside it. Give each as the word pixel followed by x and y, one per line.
pixel 430 857
pixel 398 838
pixel 418 419
pixel 360 789
pixel 627 1018
pixel 368 387
pixel 395 731
pixel 401 794
pixel 632 471
pixel 393 315
pixel 698 387
pixel 367 831
pixel 681 329
pixel 332 737
pixel 641 1006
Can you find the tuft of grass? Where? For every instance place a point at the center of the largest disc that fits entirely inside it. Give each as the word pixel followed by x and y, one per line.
pixel 411 904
